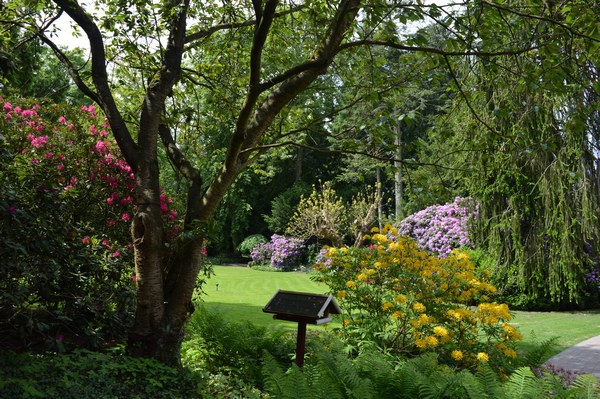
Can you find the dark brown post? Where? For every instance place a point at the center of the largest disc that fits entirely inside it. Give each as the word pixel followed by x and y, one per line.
pixel 300 343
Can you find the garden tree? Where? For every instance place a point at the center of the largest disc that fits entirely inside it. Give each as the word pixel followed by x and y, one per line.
pixel 165 43
pixel 525 141
pixel 397 95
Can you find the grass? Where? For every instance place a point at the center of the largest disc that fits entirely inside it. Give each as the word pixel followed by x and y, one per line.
pixel 241 293
pixel 570 327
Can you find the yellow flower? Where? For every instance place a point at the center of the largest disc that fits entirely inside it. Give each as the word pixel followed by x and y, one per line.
pixel 431 340
pixel 418 307
pixel 341 294
pixel 374 230
pixel 483 357
pixel 421 343
pixel 345 323
pixel 350 284
pixel 440 331
pixel 456 355
pixel 361 277
pixel 387 305
pixel 397 314
pixel 508 352
pixel 371 272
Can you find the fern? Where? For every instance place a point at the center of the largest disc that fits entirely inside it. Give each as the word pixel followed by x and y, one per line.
pixel 492 388
pixel 539 354
pixel 523 384
pixel 586 387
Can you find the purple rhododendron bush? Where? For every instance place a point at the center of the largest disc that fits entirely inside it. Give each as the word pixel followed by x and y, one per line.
pixel 441 228
pixel 66 201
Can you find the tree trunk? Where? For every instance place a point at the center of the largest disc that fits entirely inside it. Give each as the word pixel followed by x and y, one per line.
pixel 398 187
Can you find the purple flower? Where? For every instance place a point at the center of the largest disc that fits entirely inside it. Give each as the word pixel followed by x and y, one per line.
pixel 440 228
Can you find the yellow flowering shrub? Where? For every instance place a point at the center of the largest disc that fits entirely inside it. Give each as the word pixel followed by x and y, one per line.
pixel 402 299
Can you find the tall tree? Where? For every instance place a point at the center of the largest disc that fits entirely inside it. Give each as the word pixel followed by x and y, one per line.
pixel 162 43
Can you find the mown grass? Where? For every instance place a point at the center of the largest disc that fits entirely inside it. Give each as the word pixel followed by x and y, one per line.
pixel 240 293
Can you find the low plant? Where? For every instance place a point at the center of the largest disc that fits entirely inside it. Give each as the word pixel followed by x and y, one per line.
pixel 281 253
pixel 245 248
pixel 217 346
pixel 84 374
pixel 376 375
pixel 405 300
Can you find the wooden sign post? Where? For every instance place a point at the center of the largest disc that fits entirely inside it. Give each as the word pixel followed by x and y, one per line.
pixel 303 308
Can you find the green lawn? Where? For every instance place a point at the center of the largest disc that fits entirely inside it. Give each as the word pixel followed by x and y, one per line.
pixel 241 293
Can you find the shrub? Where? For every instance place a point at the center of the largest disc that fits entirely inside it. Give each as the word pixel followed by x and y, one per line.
pixel 282 253
pixel 85 374
pixel 245 248
pixel 217 346
pixel 440 228
pixel 404 300
pixel 66 199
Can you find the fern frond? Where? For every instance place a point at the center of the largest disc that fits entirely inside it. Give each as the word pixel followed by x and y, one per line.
pixel 539 354
pixel 523 384
pixel 488 379
pixel 587 386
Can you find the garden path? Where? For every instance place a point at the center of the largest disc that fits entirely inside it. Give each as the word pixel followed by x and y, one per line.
pixel 582 358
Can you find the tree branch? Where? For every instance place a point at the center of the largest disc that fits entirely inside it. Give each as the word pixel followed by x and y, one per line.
pixel 104 98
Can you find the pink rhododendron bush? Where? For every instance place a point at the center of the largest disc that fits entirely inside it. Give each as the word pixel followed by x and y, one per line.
pixel 66 200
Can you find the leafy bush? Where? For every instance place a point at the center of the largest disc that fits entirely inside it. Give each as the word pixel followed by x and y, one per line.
pixel 66 199
pixel 217 346
pixel 84 374
pixel 249 243
pixel 402 299
pixel 282 253
pixel 440 228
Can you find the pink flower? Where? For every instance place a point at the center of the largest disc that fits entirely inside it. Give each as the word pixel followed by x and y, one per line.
pixel 27 113
pixel 61 157
pixel 48 155
pixel 203 251
pixel 110 201
pixel 103 133
pixel 133 278
pixel 116 254
pixel 126 217
pixel 106 243
pixel 62 120
pixel 86 240
pixel 60 166
pixel 7 107
pixel 110 223
pixel 73 180
pixel 35 161
pixel 8 117
pixel 172 215
pixel 18 110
